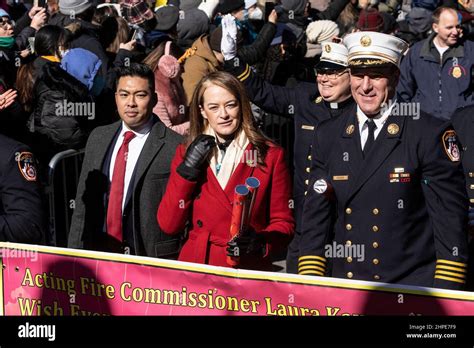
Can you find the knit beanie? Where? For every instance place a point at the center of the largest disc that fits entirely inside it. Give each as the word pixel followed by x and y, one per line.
pixel 320 31
pixel 73 7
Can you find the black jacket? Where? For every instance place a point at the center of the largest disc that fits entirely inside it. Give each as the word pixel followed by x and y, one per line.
pixel 463 122
pixel 60 114
pixel 21 213
pixel 256 52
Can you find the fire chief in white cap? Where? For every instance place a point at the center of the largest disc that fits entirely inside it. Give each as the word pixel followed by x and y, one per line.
pixel 387 201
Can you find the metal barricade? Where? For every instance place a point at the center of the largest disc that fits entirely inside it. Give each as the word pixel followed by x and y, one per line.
pixel 63 178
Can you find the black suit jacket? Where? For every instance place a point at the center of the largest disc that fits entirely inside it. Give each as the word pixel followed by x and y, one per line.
pixel 141 231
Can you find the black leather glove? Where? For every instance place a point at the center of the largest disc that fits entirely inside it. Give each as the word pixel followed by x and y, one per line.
pixel 249 243
pixel 195 156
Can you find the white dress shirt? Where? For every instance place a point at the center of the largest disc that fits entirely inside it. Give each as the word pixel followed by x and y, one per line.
pixel 379 120
pixel 134 149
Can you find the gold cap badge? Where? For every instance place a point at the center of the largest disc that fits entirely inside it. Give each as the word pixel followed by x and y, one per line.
pixel 327 48
pixel 365 41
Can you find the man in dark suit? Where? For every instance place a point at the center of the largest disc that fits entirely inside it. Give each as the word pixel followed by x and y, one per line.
pixel 387 200
pixel 124 175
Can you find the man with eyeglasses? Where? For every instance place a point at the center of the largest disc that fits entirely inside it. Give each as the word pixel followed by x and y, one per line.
pixel 309 105
pixel 387 201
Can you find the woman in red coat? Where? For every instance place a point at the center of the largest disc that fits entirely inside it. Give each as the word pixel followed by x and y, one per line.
pixel 204 176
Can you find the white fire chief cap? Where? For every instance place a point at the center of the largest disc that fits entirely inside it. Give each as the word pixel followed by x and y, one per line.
pixel 373 49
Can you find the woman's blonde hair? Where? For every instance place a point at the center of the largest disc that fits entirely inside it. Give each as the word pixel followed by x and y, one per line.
pixel 198 123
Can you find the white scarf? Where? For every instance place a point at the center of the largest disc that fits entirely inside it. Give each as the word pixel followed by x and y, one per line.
pixel 224 164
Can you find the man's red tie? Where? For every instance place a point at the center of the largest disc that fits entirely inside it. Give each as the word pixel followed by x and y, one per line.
pixel 114 210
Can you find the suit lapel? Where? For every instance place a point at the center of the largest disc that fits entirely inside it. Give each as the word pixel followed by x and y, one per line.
pixel 217 191
pixel 152 146
pixel 387 140
pixel 350 144
pixel 104 147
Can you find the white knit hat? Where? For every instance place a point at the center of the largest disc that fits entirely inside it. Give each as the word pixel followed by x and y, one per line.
pixel 250 3
pixel 320 31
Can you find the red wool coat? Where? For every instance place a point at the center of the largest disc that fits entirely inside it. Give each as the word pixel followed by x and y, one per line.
pixel 209 210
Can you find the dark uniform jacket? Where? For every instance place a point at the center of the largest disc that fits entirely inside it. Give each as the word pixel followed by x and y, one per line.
pixel 405 204
pixel 21 214
pixel 308 110
pixel 463 122
pixel 141 232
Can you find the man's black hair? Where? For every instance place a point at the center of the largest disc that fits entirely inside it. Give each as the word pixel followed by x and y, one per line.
pixel 135 69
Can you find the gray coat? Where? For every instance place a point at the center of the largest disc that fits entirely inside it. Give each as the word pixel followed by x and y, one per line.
pixel 148 182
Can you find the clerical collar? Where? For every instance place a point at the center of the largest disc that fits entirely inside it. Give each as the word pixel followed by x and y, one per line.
pixel 341 105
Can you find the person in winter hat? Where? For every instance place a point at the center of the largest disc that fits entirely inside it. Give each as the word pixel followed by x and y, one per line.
pixel 317 32
pixel 171 106
pixel 193 24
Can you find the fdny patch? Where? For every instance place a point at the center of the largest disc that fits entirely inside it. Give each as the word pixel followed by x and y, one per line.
pixel 27 166
pixel 451 146
pixel 457 71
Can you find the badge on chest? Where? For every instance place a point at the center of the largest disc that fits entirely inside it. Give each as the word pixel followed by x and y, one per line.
pixel 399 175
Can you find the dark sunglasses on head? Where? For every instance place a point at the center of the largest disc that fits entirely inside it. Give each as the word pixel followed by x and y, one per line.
pixel 5 21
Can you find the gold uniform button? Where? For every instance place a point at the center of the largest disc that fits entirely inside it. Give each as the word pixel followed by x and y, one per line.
pixel 471 174
pixel 309 157
pixel 305 193
pixel 349 259
pixel 375 211
pixel 350 274
pixel 472 187
pixel 375 228
pixel 349 243
pixel 348 227
pixel 306 182
pixel 375 245
pixel 348 211
pixel 308 169
pixel 376 277
pixel 375 261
